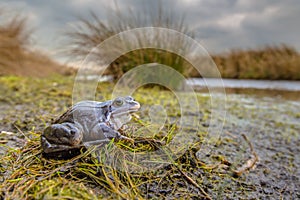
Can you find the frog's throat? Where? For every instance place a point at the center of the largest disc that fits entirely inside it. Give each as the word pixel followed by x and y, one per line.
pixel 118 122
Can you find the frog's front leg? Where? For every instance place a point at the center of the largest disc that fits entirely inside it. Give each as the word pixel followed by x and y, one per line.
pixel 102 133
pixel 57 137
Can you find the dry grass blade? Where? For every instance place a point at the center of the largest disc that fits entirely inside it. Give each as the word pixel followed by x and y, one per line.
pixel 193 182
pixel 249 163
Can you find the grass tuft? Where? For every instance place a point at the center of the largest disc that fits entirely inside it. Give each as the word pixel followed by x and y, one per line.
pixel 91 31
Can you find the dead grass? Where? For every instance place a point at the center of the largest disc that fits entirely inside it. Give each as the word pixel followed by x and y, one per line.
pixel 16 56
pixel 270 62
pixel 92 31
pixel 31 103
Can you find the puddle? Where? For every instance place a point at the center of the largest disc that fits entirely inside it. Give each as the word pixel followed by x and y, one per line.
pixel 245 83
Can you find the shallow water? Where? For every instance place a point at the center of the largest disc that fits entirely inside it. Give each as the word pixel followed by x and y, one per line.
pixel 245 83
pixel 289 90
pixel 285 89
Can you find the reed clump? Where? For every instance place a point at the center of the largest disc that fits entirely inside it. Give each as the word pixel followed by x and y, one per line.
pixel 92 31
pixel 270 62
pixel 16 54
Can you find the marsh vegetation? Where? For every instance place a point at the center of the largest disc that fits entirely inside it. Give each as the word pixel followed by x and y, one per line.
pixel 270 124
pixel 28 105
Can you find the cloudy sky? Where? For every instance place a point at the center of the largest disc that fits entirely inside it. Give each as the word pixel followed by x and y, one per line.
pixel 220 25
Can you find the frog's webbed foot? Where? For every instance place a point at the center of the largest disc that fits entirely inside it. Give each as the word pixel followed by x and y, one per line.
pixel 111 133
pixel 102 129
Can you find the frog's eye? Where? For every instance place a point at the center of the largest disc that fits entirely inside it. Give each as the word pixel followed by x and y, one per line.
pixel 118 102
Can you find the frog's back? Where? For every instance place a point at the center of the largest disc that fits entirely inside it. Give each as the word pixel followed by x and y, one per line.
pixel 84 110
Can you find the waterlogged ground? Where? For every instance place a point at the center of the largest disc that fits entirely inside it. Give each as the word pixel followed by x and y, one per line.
pixel 270 124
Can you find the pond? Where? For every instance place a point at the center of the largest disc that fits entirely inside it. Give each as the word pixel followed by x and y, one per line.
pixel 262 88
pixel 246 83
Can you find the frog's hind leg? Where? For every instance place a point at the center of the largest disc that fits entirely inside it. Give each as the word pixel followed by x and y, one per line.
pixel 63 134
pixel 50 148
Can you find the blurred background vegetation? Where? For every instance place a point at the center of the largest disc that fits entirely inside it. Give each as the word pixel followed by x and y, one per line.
pixel 270 62
pixel 91 31
pixel 279 62
pixel 17 56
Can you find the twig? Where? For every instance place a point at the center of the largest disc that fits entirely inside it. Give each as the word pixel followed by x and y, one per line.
pixel 189 179
pixel 249 143
pixel 249 163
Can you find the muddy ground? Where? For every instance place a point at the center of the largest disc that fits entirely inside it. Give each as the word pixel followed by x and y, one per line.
pixel 270 123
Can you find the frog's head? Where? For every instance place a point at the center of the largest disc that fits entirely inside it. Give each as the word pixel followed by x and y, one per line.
pixel 123 105
pixel 120 109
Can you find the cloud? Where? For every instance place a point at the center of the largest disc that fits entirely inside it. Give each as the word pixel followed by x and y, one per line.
pixel 219 25
pixel 232 21
pixel 250 24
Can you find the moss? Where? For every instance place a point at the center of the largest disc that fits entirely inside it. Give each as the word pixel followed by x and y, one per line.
pixel 30 104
